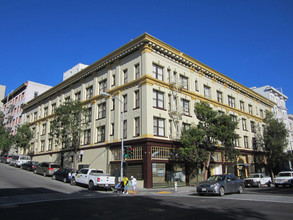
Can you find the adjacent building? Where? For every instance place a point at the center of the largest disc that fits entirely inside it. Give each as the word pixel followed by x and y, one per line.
pixel 73 70
pixel 158 86
pixel 2 95
pixel 13 102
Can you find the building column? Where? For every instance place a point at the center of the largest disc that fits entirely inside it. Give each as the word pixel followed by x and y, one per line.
pixel 147 166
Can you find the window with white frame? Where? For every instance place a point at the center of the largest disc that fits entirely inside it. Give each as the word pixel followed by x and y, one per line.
pixel 169 103
pixel 244 127
pixel 231 101
pixel 158 99
pixel 185 106
pixel 125 103
pixel 88 116
pixel 136 126
pixel 102 86
pixel 207 91
pixel 184 81
pixel 220 96
pixel 137 99
pixel 157 72
pixel 125 76
pixel 101 134
pixel 87 136
pixel 125 129
pixel 89 92
pixel 77 96
pixel 102 110
pixel 246 142
pixel 159 126
pixel 242 106
pixel 137 71
pixel 250 109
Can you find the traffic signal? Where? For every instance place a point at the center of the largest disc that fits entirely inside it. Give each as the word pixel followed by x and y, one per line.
pixel 128 152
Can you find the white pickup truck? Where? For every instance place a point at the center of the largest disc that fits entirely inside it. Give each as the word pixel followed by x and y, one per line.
pixel 257 179
pixel 93 179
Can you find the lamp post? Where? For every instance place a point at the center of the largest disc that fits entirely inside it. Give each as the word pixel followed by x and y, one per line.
pixel 104 94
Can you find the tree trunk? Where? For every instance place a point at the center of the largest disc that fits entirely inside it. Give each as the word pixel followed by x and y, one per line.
pixel 187 176
pixel 207 166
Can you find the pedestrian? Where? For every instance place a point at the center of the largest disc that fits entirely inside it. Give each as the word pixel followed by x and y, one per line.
pixel 133 184
pixel 125 182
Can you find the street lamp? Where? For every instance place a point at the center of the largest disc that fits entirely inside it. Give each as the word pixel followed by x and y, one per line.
pixel 104 94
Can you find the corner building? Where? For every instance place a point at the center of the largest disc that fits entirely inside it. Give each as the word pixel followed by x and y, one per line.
pixel 159 86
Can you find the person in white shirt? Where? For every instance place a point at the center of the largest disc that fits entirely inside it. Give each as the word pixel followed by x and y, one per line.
pixel 133 184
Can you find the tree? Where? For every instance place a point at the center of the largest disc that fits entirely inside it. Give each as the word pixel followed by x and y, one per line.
pixel 23 136
pixel 200 141
pixel 6 139
pixel 68 126
pixel 273 143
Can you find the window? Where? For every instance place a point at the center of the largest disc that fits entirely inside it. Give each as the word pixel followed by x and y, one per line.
pixel 67 99
pixel 113 103
pixel 88 117
pixel 137 71
pixel 125 76
pixel 89 92
pixel 125 103
pixel 169 102
pixel 252 123
pixel 185 106
pixel 102 110
pixel 242 106
pixel 170 128
pixel 261 113
pixel 231 101
pixel 35 116
pixel 207 91
pixel 244 124
pixel 158 99
pixel 169 75
pixel 250 109
pixel 234 118
pixel 112 129
pixel 196 85
pixel 113 79
pixel 254 145
pixel 125 129
pixel 236 142
pixel 43 129
pixel 175 103
pixel 220 96
pixel 77 96
pixel 53 107
pixel 185 126
pixel 101 134
pixel 45 111
pixel 184 82
pixel 87 136
pixel 137 99
pixel 157 72
pixel 102 86
pixel 136 126
pixel 42 146
pixel 246 142
pixel 159 126
pixel 50 147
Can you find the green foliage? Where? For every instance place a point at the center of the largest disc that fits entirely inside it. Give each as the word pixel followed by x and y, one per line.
pixel 68 125
pixel 6 139
pixel 23 136
pixel 200 141
pixel 274 142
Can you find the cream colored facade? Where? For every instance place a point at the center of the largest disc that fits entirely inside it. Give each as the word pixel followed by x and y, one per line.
pixel 159 86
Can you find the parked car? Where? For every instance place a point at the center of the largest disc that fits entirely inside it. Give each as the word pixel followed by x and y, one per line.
pixel 29 165
pixel 21 160
pixel 257 179
pixel 3 158
pixel 220 185
pixel 93 179
pixel 284 178
pixel 7 159
pixel 13 159
pixel 63 174
pixel 46 168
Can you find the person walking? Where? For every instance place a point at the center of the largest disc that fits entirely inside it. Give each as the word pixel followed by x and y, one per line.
pixel 133 184
pixel 125 182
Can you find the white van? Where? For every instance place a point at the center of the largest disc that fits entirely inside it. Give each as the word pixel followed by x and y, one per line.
pixel 21 160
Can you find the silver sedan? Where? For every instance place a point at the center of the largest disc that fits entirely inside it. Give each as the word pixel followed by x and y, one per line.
pixel 220 185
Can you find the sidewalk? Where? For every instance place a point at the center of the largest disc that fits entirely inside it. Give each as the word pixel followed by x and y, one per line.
pixel 182 189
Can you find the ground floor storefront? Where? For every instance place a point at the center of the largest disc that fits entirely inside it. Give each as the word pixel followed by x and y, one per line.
pixel 153 162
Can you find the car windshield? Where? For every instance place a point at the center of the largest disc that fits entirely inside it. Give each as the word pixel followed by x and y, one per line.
pixel 96 171
pixel 284 174
pixel 253 176
pixel 216 178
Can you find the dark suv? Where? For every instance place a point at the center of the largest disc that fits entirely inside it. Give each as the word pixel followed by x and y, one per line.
pixel 46 168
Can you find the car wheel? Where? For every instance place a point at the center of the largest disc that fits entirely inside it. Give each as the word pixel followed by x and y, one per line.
pixel 53 177
pixel 240 189
pixel 91 185
pixel 72 181
pixel 201 194
pixel 44 174
pixel 269 184
pixel 64 180
pixel 222 191
pixel 258 184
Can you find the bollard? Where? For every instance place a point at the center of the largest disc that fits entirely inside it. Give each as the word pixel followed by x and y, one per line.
pixel 175 186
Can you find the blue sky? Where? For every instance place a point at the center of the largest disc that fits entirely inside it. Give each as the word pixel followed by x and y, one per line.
pixel 250 41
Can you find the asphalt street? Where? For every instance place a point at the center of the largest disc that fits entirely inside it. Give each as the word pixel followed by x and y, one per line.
pixel 24 195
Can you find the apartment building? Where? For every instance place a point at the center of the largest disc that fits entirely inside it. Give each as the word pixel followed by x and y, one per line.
pixel 2 95
pixel 158 86
pixel 12 104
